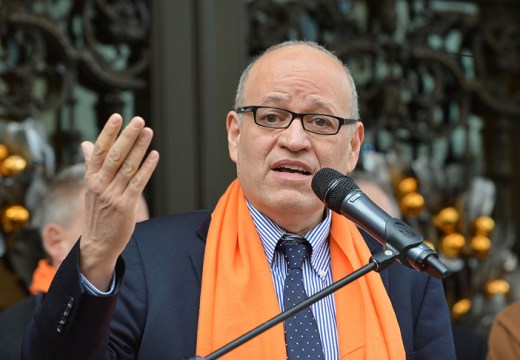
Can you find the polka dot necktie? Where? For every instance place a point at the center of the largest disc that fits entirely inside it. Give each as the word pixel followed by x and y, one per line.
pixel 302 338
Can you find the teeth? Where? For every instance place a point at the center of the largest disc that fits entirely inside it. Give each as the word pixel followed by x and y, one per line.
pixel 294 168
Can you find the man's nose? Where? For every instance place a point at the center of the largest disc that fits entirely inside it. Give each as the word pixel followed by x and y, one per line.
pixel 295 137
pixel 298 122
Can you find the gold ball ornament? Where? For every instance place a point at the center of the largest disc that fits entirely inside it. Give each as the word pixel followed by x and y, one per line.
pixel 4 152
pixel 14 218
pixel 447 220
pixel 406 185
pixel 460 308
pixel 452 245
pixel 483 225
pixel 480 246
pixel 12 165
pixel 497 287
pixel 411 204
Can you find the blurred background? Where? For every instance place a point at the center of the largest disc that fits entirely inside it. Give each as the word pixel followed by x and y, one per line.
pixel 439 90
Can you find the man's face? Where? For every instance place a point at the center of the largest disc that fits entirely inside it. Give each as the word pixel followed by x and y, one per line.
pixel 275 166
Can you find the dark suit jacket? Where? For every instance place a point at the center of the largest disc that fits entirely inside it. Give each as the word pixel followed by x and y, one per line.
pixel 154 311
pixel 13 322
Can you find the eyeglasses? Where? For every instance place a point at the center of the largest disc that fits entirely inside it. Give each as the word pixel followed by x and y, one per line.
pixel 277 118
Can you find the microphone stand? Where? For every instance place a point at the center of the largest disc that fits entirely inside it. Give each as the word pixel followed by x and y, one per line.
pixel 377 262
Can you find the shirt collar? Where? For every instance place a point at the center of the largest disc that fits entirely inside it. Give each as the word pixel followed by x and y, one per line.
pixel 270 233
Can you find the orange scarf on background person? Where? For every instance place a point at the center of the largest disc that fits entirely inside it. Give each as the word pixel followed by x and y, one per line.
pixel 42 277
pixel 238 294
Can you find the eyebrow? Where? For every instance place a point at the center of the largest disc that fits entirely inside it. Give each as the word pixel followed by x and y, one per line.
pixel 278 99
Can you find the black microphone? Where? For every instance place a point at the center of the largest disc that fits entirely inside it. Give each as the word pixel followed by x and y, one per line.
pixel 341 194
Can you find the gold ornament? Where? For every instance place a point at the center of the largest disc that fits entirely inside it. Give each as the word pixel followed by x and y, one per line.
pixel 480 246
pixel 483 225
pixel 406 185
pixel 14 218
pixel 446 220
pixel 497 287
pixel 460 308
pixel 452 245
pixel 411 204
pixel 4 152
pixel 12 165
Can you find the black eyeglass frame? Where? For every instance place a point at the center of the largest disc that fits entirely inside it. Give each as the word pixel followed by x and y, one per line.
pixel 254 108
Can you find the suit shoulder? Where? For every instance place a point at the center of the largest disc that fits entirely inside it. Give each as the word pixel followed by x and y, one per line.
pixel 179 233
pixel 190 221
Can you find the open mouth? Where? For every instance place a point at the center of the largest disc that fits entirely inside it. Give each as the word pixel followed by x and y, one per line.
pixel 292 170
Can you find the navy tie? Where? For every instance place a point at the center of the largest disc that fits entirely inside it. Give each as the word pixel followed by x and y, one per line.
pixel 302 338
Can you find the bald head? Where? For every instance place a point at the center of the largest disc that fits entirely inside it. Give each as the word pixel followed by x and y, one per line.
pixel 304 48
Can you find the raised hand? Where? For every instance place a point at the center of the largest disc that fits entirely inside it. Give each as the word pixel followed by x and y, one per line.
pixel 117 170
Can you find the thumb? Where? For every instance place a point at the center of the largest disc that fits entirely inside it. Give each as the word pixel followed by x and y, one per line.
pixel 86 148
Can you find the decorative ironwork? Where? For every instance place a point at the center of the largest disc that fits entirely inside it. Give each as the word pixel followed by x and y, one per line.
pixel 49 47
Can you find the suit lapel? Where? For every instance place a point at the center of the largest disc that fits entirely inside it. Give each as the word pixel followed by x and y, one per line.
pixel 197 257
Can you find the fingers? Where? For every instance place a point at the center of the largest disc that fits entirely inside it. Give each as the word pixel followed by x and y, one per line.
pixel 134 140
pixel 138 182
pixel 134 173
pixel 115 161
pixel 104 143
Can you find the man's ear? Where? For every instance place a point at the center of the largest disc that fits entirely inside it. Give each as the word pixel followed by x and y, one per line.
pixel 233 131
pixel 53 236
pixel 356 139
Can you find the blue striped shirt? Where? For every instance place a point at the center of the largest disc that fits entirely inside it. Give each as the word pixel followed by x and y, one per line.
pixel 317 273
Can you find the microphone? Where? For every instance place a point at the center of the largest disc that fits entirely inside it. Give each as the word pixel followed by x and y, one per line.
pixel 341 194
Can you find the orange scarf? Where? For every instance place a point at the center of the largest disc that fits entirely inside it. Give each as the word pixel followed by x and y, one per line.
pixel 42 277
pixel 238 294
